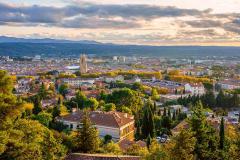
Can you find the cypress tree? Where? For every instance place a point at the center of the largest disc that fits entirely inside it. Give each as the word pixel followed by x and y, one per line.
pixel 148 126
pixel 221 135
pixel 169 113
pixel 149 139
pixel 154 106
pixel 164 111
pixel 159 112
pixel 37 105
pixel 174 115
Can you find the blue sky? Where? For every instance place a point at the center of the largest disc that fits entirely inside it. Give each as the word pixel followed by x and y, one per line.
pixel 149 22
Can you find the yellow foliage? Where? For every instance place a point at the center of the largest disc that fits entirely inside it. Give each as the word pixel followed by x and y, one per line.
pixel 28 106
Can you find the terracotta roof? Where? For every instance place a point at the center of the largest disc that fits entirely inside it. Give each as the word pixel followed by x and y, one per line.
pixel 110 119
pixel 125 144
pixel 79 156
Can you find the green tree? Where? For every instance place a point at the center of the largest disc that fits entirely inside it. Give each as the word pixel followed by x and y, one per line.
pixel 221 135
pixel 63 89
pixel 42 92
pixel 148 126
pixel 149 139
pixel 156 152
pixel 125 97
pixel 184 144
pixel 37 104
pixel 44 118
pixel 29 139
pixel 80 99
pixel 207 143
pixel 92 103
pixel 87 137
pixel 137 87
pixel 220 100
pixel 112 148
pixel 6 83
pixel 109 107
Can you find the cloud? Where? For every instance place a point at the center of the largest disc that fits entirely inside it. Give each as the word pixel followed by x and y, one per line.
pixel 204 23
pixel 90 15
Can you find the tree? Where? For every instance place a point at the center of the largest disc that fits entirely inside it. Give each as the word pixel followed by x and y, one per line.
pixel 137 87
pixel 42 92
pixel 107 138
pixel 37 105
pixel 125 97
pixel 209 99
pixel 184 144
pixel 235 100
pixel 80 99
pixel 63 89
pixel 174 115
pixel 206 145
pixel 220 100
pixel 112 148
pixel 109 107
pixel 149 139
pixel 169 113
pixel 29 139
pixel 221 135
pixel 92 103
pixel 154 94
pixel 155 152
pixel 44 118
pixel 6 83
pixel 56 111
pixel 164 111
pixel 148 126
pixel 137 150
pixel 87 136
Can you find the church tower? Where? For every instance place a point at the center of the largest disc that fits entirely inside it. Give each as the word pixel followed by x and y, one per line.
pixel 83 63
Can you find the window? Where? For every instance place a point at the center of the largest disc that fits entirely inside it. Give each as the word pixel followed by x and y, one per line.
pixel 71 126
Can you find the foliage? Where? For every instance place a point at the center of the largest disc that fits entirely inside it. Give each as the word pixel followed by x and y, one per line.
pixel 109 107
pixel 92 103
pixel 148 126
pixel 206 145
pixel 87 136
pixel 44 118
pixel 184 145
pixel 112 148
pixel 30 140
pixel 125 97
pixel 63 89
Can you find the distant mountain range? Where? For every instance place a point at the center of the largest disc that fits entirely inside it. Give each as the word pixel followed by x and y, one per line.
pixel 65 48
pixel 5 39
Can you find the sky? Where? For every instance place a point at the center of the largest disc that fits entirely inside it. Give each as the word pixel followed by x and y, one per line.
pixel 141 22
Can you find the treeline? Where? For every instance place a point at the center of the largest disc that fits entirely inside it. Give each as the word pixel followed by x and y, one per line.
pixel 222 100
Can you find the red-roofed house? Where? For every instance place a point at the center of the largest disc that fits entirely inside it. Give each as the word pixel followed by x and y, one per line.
pixel 117 124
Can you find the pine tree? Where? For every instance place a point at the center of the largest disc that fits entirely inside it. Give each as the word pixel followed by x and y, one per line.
pixel 221 135
pixel 184 144
pixel 87 137
pixel 206 145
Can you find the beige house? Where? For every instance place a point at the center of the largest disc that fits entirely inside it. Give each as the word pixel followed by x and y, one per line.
pixel 117 124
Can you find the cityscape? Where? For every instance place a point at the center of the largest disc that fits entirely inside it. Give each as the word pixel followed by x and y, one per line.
pixel 147 80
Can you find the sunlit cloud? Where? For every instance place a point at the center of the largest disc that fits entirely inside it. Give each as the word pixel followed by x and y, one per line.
pixel 136 23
